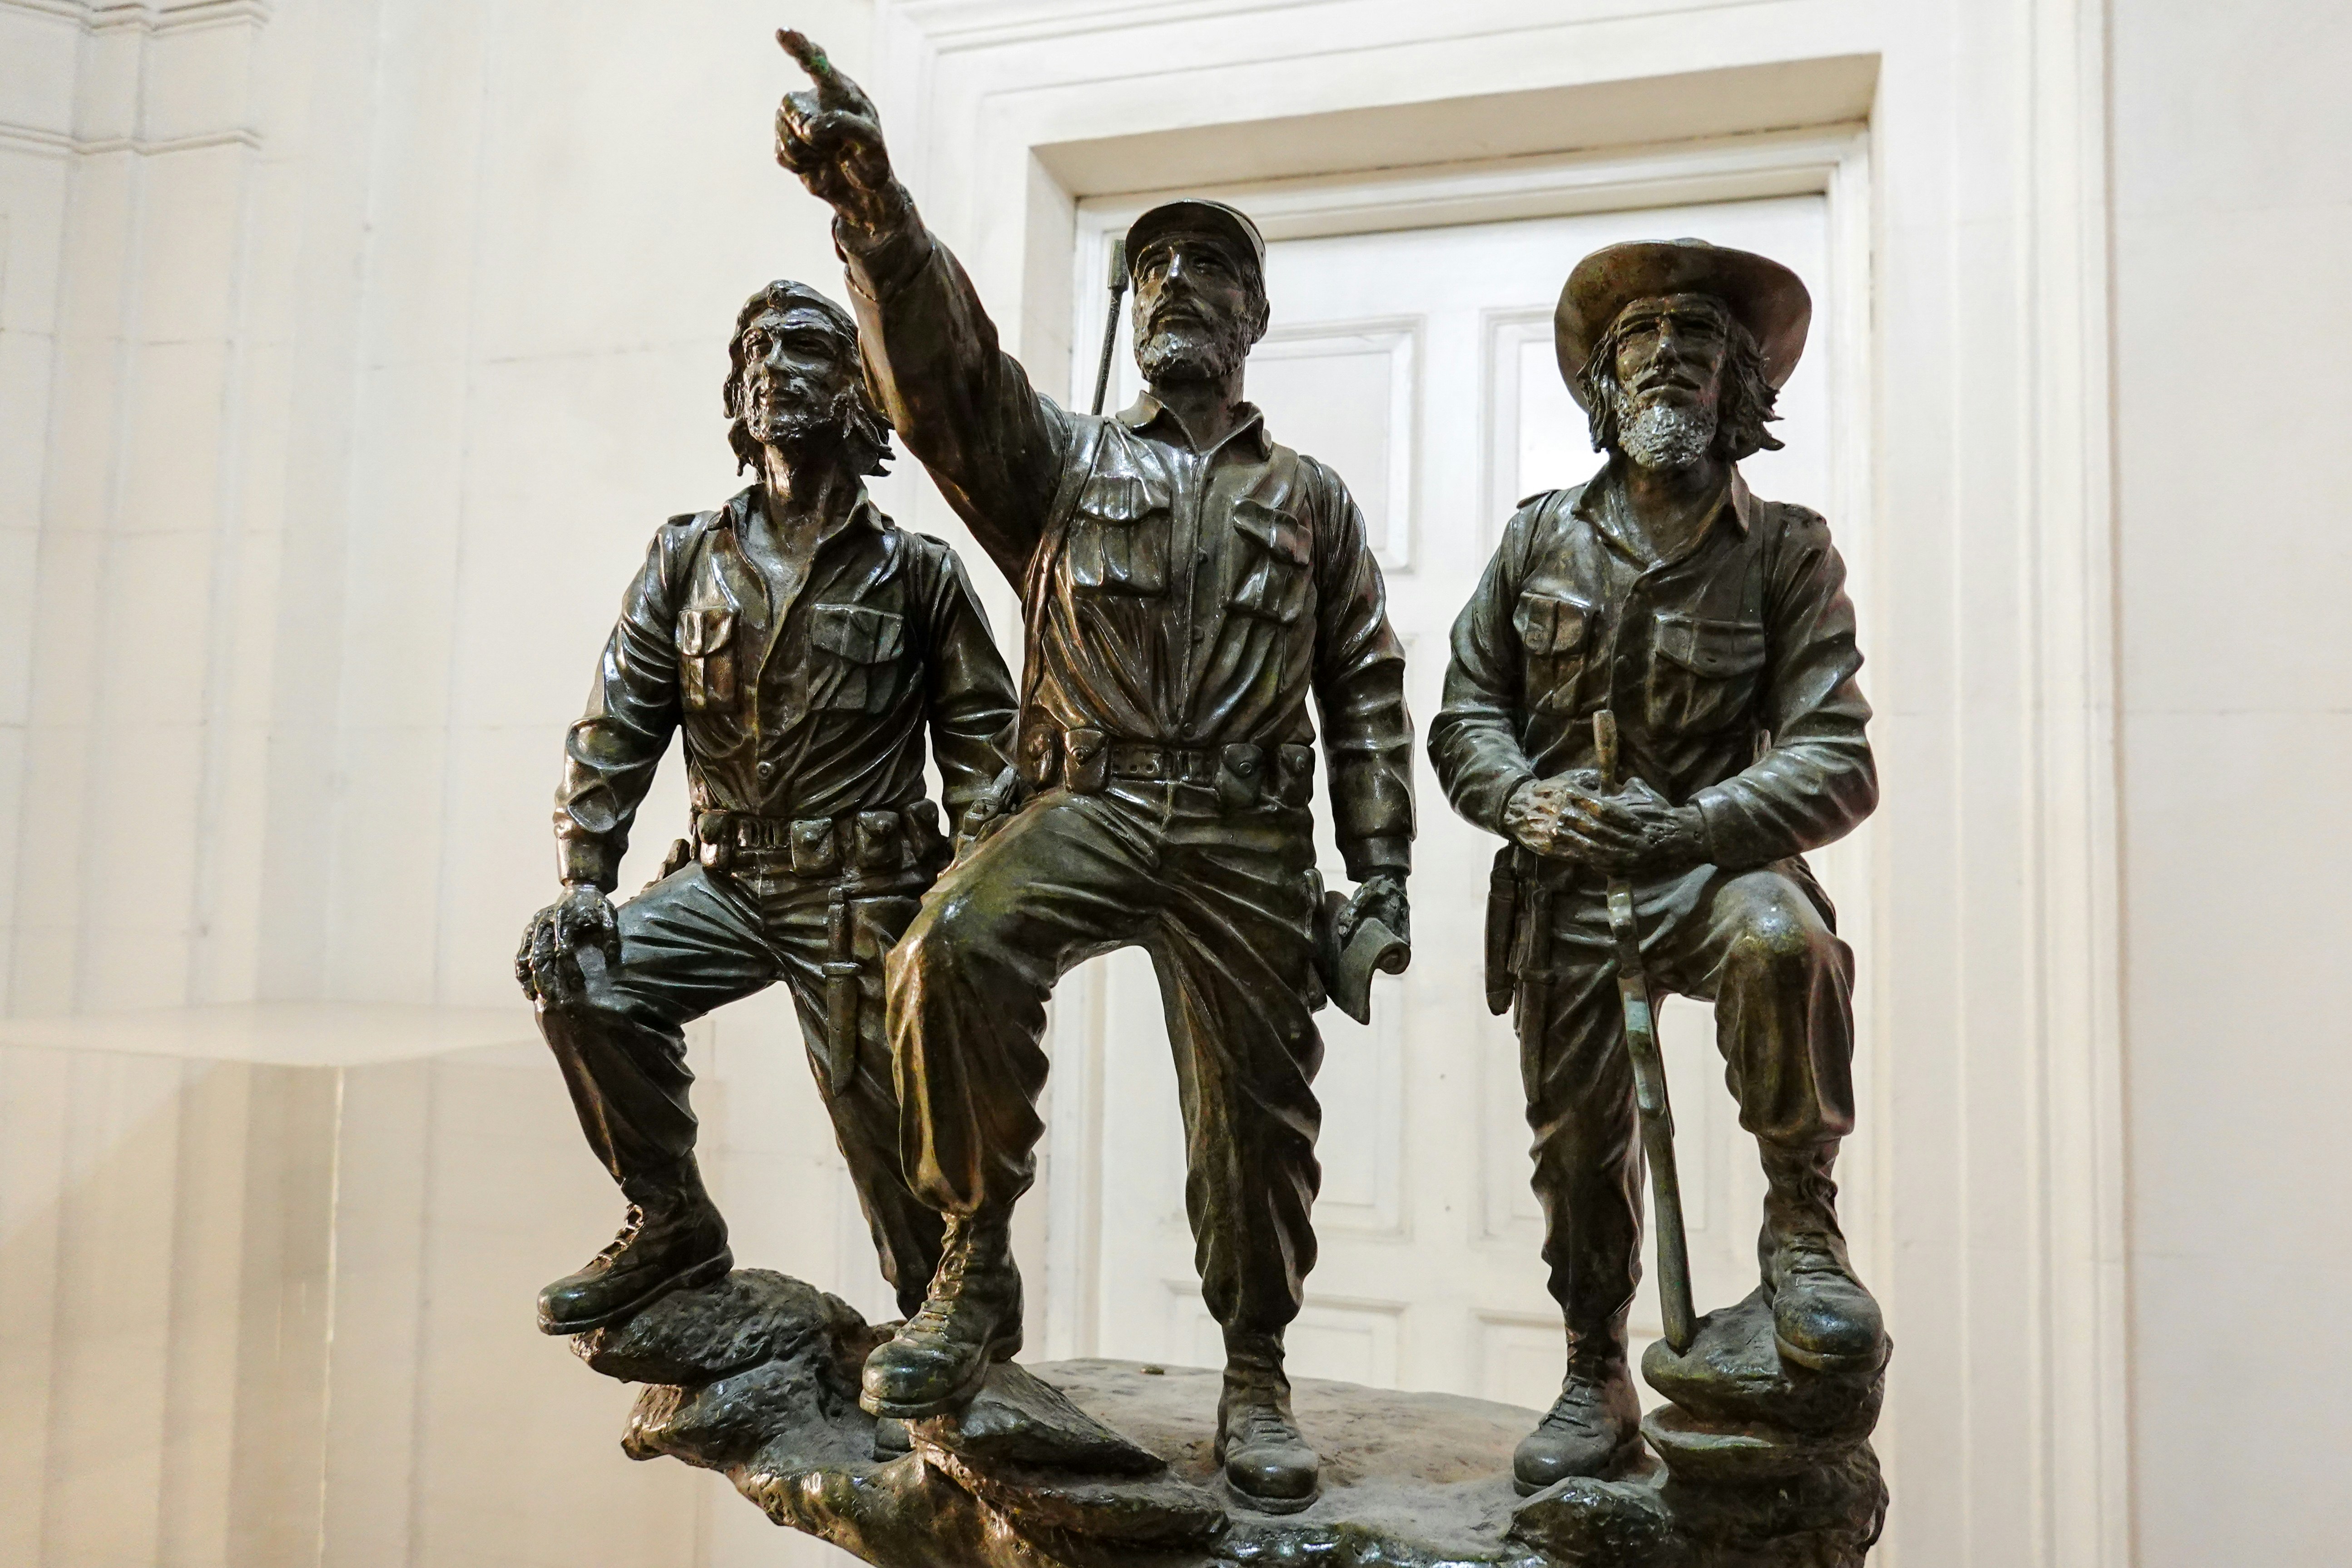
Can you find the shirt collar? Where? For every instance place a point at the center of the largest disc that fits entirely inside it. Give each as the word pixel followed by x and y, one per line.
pixel 1147 411
pixel 862 515
pixel 1601 496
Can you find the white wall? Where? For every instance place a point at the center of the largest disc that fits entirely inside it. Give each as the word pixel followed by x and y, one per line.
pixel 2233 254
pixel 351 351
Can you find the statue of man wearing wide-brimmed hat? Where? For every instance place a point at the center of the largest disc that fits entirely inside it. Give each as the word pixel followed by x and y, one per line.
pixel 1715 629
pixel 1189 587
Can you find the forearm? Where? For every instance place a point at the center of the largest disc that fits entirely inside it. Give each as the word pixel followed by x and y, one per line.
pixel 1798 796
pixel 1368 747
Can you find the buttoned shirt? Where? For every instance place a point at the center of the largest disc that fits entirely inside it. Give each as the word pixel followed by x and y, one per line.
pixel 1176 595
pixel 794 704
pixel 1731 663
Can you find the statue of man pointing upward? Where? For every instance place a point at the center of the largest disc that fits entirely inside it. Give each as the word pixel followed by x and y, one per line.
pixel 1188 584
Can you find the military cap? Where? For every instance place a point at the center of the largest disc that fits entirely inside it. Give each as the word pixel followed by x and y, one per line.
pixel 1199 216
pixel 1763 296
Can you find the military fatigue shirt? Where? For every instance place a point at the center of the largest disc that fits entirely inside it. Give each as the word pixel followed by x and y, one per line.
pixel 1194 598
pixel 1731 665
pixel 815 706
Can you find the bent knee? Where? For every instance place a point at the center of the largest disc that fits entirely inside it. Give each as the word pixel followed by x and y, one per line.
pixel 1778 935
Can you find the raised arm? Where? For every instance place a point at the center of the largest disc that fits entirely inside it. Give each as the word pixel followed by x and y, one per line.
pixel 972 692
pixel 994 444
pixel 1817 780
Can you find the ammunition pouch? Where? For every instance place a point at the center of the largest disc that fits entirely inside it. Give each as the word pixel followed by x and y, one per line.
pixel 823 847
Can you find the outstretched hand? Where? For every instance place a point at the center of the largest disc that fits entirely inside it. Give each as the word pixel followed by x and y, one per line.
pixel 830 135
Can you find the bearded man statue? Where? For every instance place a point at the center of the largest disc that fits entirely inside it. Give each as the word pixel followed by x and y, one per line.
pixel 1715 626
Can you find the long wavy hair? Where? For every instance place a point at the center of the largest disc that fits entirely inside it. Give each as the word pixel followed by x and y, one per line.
pixel 1741 412
pixel 863 428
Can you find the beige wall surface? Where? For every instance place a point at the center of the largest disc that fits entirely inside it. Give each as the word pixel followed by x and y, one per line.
pixel 2233 254
pixel 351 349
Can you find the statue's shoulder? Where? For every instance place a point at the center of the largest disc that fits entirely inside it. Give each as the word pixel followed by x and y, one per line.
pixel 1542 511
pixel 1791 523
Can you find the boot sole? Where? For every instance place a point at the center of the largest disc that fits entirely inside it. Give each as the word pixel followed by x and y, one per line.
pixel 1274 1504
pixel 1831 1364
pixel 965 1391
pixel 1622 1466
pixel 702 1273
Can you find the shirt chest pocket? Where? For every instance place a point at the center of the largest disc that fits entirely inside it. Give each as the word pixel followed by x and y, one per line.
pixel 854 667
pixel 706 656
pixel 1273 575
pixel 1118 538
pixel 1555 632
pixel 1703 673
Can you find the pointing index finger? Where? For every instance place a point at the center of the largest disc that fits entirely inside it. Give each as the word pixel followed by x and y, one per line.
pixel 812 58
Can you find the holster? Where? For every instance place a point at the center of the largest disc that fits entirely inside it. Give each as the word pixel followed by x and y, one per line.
pixel 1502 920
pixel 1518 940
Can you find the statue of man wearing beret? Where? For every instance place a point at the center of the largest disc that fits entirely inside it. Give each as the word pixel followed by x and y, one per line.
pixel 1715 626
pixel 803 648
pixel 1189 584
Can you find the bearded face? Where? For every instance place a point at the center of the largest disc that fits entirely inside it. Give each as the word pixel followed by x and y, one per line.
pixel 1665 392
pixel 1196 313
pixel 1658 433
pixel 796 394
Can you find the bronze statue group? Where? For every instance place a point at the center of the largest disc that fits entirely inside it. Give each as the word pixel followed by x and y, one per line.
pixel 1187 585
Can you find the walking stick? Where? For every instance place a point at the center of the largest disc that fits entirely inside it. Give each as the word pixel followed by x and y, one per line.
pixel 1111 324
pixel 1649 1079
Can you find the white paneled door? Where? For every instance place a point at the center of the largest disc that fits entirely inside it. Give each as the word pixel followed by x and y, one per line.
pixel 1419 365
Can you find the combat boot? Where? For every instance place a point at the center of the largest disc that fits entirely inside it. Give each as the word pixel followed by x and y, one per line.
pixel 1822 1316
pixel 673 1239
pixel 1266 1462
pixel 1594 1427
pixel 972 1319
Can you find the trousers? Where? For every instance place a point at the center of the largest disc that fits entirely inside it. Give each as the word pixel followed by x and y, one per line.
pixel 1223 901
pixel 1761 945
pixel 697 939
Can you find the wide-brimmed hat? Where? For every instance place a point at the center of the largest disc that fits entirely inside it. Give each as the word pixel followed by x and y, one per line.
pixel 1763 296
pixel 1198 215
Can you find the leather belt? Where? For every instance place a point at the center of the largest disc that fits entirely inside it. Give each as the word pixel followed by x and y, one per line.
pixel 1183 764
pixel 826 846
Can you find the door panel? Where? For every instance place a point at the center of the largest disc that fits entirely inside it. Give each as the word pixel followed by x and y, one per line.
pixel 1419 365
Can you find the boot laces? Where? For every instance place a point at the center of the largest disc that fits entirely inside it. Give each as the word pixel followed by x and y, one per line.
pixel 630 1228
pixel 1810 1254
pixel 1254 1421
pixel 937 1312
pixel 1583 1396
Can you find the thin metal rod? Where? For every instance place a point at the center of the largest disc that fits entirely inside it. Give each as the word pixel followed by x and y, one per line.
pixel 1110 323
pixel 1675 1306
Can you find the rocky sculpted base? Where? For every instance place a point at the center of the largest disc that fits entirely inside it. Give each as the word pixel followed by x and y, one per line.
pixel 1098 1463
